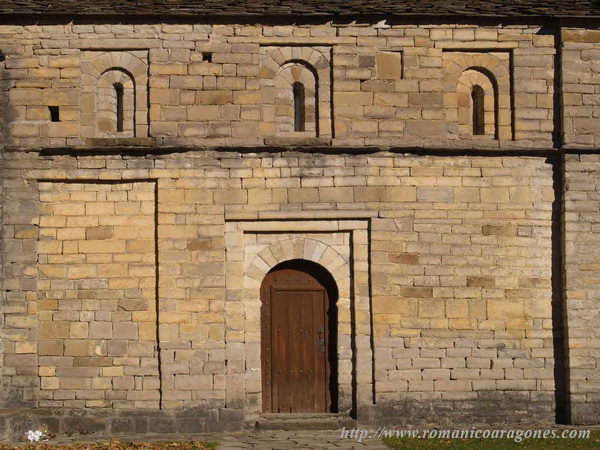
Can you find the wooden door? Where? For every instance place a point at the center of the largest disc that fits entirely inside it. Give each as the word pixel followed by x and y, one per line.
pixel 294 342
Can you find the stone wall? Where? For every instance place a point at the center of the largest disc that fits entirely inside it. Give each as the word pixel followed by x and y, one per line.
pixel 462 283
pixel 226 84
pixel 581 88
pixel 14 423
pixel 581 94
pixel 132 259
pixel 459 273
pixel 96 296
pixel 582 269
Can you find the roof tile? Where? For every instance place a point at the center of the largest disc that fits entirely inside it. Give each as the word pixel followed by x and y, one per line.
pixel 512 8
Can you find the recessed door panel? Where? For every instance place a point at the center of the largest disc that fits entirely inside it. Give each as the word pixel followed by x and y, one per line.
pixel 294 343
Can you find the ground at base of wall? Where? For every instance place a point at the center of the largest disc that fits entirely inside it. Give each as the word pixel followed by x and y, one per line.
pixel 312 439
pixel 592 442
pixel 120 445
pixel 279 439
pixel 66 426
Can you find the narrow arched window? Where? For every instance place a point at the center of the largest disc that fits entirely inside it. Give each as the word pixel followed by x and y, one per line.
pixel 299 106
pixel 119 95
pixel 477 96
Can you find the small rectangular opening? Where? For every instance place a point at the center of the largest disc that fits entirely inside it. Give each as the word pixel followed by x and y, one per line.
pixel 54 113
pixel 207 56
pixel 120 118
pixel 299 106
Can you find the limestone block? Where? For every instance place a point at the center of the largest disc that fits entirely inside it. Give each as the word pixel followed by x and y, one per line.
pixel 389 65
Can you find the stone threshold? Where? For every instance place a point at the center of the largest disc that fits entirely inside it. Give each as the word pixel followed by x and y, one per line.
pixel 304 421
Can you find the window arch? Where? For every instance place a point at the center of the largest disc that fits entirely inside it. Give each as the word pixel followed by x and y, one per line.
pixel 280 68
pixel 102 74
pixel 115 104
pixel 478 104
pixel 296 100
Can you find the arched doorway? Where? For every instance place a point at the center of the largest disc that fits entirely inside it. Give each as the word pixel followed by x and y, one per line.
pixel 298 339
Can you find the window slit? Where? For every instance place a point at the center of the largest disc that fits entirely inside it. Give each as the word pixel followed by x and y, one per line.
pixel 119 94
pixel 299 107
pixel 477 96
pixel 54 113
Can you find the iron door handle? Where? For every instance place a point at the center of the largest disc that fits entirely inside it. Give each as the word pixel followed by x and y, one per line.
pixel 321 341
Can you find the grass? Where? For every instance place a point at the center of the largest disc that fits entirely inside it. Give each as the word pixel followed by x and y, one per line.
pixel 396 443
pixel 116 445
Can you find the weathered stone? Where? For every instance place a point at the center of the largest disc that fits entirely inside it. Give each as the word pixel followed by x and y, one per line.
pixel 439 255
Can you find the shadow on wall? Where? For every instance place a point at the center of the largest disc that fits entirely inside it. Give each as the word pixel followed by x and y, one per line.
pixel 3 139
pixel 560 336
pixel 7 114
pixel 6 111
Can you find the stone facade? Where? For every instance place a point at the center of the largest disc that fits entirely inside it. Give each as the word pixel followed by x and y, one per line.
pixel 137 227
pixel 218 85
